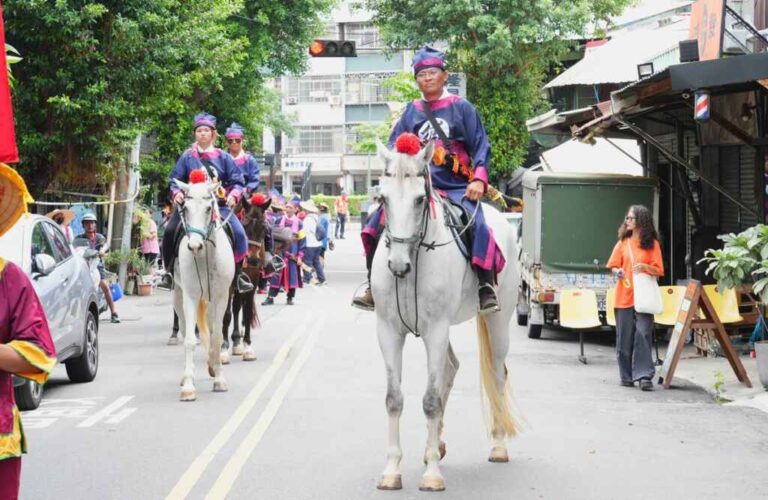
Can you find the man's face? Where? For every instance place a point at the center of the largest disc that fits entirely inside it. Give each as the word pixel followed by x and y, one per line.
pixel 431 80
pixel 290 210
pixel 204 136
pixel 235 145
pixel 89 226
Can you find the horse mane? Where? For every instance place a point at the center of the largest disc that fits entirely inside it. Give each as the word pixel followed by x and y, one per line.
pixel 403 165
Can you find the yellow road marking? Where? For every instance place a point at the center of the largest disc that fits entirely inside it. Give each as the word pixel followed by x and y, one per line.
pixel 192 475
pixel 235 465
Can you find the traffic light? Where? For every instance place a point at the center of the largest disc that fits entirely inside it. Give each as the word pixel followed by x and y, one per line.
pixel 333 48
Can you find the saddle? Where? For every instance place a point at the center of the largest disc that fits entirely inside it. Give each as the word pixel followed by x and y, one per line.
pixel 456 219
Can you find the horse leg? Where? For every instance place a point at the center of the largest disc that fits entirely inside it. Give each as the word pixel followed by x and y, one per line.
pixel 226 320
pixel 451 367
pixel 178 307
pixel 502 423
pixel 237 305
pixel 436 342
pixel 249 309
pixel 215 350
pixel 391 344
pixel 188 392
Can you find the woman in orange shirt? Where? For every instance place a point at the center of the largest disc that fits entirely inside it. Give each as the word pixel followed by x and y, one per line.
pixel 637 251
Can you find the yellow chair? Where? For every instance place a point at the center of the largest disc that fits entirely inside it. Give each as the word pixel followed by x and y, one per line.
pixel 578 310
pixel 725 305
pixel 610 306
pixel 672 298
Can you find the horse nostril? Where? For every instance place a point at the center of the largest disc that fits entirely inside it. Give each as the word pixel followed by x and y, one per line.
pixel 407 269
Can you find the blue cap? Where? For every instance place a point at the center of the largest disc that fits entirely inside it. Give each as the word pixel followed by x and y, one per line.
pixel 205 120
pixel 427 57
pixel 234 131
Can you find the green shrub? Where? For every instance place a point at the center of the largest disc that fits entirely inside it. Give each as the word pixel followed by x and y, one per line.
pixel 354 201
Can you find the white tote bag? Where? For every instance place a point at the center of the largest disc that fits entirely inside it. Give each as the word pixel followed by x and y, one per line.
pixel 647 293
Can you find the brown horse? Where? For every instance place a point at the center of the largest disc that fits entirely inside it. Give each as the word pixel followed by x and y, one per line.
pixel 259 246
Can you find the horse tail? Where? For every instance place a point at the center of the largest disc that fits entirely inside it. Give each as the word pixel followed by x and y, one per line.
pixel 498 403
pixel 202 323
pixel 255 321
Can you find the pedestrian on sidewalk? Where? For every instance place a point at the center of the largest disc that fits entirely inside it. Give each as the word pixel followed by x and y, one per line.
pixel 315 234
pixel 150 245
pixel 637 251
pixel 325 221
pixel 26 347
pixel 342 211
pixel 63 218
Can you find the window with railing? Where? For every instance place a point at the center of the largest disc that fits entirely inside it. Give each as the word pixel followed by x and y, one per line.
pixel 316 139
pixel 310 89
pixel 367 88
pixel 365 34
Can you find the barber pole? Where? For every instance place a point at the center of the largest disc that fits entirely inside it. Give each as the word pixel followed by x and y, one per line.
pixel 701 107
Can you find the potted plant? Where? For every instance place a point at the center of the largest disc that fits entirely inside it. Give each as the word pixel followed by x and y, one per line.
pixel 141 269
pixel 742 260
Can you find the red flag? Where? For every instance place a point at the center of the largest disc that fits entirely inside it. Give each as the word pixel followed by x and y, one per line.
pixel 9 153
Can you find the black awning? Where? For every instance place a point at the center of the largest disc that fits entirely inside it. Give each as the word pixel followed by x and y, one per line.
pixel 719 72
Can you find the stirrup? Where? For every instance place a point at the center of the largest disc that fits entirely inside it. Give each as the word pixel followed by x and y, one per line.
pixel 166 281
pixel 365 301
pixel 244 284
pixel 491 298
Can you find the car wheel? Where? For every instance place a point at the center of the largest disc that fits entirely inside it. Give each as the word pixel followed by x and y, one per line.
pixel 534 331
pixel 28 395
pixel 84 367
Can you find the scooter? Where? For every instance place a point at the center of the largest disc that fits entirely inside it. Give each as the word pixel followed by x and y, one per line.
pixel 83 248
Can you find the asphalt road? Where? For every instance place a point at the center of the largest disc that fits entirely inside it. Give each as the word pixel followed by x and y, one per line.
pixel 307 419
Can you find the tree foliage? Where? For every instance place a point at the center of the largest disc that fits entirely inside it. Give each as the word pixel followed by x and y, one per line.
pixel 97 73
pixel 505 48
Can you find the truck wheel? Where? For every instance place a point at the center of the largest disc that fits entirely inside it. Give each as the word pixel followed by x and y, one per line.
pixel 28 395
pixel 534 331
pixel 84 367
pixel 522 319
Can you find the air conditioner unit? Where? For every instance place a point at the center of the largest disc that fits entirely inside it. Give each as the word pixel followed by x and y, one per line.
pixel 292 100
pixel 334 100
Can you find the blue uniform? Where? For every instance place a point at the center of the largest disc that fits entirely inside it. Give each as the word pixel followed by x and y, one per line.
pixel 468 141
pixel 231 178
pixel 251 172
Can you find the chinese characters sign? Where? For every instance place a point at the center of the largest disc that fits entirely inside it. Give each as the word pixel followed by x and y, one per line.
pixel 707 23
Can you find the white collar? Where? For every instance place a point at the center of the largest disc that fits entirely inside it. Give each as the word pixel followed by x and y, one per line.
pixel 242 153
pixel 445 94
pixel 209 149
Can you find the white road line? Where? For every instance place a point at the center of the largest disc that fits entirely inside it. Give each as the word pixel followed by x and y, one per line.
pixel 235 465
pixel 192 475
pixel 105 412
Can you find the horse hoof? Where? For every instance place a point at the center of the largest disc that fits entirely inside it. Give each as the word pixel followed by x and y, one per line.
pixel 248 354
pixel 237 350
pixel 499 455
pixel 188 395
pixel 442 452
pixel 432 484
pixel 390 482
pixel 220 387
pixel 224 358
pixel 173 340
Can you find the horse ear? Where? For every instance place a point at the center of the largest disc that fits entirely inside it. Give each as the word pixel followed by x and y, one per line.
pixel 267 205
pixel 182 185
pixel 384 153
pixel 425 155
pixel 213 187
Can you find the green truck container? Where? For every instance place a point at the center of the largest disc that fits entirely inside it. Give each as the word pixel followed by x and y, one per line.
pixel 570 225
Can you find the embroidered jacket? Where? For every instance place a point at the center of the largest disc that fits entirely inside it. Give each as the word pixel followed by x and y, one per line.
pixel 251 171
pixel 229 174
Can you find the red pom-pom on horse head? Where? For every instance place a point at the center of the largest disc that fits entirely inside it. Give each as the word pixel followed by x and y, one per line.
pixel 408 143
pixel 197 176
pixel 258 199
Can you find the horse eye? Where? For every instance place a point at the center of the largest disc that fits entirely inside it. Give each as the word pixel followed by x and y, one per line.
pixel 208 209
pixel 420 199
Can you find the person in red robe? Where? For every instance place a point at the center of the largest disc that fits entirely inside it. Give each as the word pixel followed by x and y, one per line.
pixel 26 348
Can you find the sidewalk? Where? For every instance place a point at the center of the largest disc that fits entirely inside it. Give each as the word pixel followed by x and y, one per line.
pixel 705 372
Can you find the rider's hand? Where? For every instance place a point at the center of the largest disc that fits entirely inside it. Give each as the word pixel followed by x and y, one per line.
pixel 475 190
pixel 231 201
pixel 178 198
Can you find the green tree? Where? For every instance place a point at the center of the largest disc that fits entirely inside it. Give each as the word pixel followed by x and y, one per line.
pixel 505 48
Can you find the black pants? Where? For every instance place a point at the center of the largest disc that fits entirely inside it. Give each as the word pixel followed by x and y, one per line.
pixel 341 220
pixel 168 241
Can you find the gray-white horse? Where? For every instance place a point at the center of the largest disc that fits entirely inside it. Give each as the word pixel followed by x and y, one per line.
pixel 426 290
pixel 203 273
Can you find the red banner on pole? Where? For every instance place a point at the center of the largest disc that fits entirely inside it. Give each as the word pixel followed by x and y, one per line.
pixel 9 153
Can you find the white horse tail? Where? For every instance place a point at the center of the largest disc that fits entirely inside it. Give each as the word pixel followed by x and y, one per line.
pixel 497 403
pixel 202 323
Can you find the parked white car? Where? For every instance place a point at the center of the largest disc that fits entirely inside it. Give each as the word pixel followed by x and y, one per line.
pixel 62 280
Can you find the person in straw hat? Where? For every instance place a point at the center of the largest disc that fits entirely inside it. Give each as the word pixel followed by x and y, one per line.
pixel 315 234
pixel 63 218
pixel 26 347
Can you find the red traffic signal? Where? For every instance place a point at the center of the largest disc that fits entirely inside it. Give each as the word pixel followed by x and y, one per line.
pixel 333 48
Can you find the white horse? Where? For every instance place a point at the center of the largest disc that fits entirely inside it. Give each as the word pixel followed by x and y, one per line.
pixel 425 291
pixel 203 273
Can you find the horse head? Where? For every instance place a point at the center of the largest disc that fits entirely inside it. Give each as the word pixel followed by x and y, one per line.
pixel 199 212
pixel 405 196
pixel 255 225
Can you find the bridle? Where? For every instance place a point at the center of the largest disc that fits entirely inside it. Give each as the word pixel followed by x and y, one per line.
pixel 418 237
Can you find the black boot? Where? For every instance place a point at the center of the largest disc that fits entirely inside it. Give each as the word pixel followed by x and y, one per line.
pixel 489 303
pixel 365 300
pixel 243 282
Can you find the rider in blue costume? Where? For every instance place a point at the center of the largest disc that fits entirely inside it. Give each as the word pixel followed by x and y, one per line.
pixel 235 136
pixel 459 169
pixel 218 165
